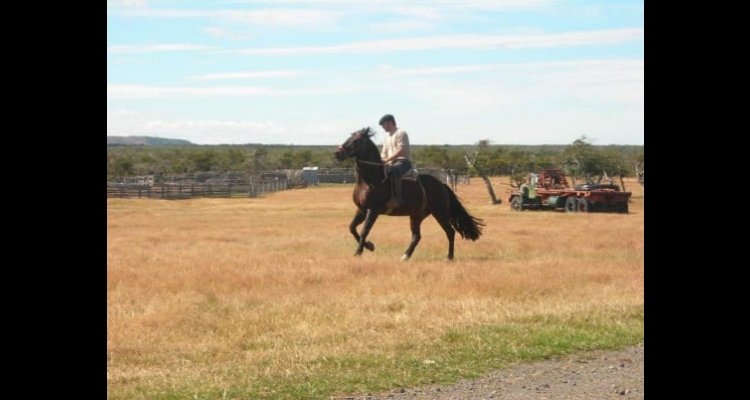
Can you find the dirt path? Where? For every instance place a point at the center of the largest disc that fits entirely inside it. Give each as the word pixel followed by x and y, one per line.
pixel 592 375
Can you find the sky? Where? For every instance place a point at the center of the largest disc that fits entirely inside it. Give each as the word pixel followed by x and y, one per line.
pixel 455 72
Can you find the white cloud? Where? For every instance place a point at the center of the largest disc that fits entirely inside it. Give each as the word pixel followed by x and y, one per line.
pixel 122 123
pixel 246 75
pixel 284 17
pixel 603 64
pixel 121 61
pixel 401 26
pixel 443 11
pixel 485 89
pixel 598 37
pixel 504 4
pixel 126 3
pixel 211 131
pixel 150 48
pixel 145 91
pixel 216 32
pixel 475 88
pixel 417 12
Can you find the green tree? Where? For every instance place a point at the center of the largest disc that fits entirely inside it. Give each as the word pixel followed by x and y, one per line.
pixel 259 158
pixel 594 164
pixel 203 160
pixel 233 159
pixel 451 163
pixel 521 164
pixel 581 159
pixel 123 167
pixel 432 156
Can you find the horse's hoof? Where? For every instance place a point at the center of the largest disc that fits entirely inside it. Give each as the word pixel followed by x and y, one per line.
pixel 370 246
pixel 405 258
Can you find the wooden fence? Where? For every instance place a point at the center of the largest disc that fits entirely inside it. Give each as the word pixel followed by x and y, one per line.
pixel 205 184
pixel 228 184
pixel 190 190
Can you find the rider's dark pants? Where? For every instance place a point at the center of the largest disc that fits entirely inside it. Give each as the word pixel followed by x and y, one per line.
pixel 399 168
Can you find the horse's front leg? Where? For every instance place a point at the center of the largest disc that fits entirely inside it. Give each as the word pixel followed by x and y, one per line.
pixel 358 218
pixel 370 218
pixel 415 222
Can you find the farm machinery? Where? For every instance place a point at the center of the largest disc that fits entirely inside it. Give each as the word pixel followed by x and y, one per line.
pixel 549 190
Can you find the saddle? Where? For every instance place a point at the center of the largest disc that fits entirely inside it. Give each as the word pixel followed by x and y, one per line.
pixel 410 174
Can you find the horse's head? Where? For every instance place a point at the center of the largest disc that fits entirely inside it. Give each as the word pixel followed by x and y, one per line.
pixel 355 145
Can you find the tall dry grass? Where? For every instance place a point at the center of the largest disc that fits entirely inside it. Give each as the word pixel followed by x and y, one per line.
pixel 226 295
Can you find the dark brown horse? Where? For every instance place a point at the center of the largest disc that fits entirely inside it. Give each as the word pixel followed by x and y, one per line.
pixel 423 196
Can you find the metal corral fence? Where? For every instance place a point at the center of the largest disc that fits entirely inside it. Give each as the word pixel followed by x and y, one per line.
pixel 234 183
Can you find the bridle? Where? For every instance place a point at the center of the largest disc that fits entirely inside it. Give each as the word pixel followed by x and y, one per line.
pixel 373 163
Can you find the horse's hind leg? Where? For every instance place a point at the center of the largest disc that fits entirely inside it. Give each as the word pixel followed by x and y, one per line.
pixel 359 217
pixel 416 236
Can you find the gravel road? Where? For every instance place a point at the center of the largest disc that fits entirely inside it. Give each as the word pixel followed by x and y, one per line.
pixel 596 375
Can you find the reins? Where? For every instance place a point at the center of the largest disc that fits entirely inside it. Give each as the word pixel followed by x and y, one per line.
pixel 377 164
pixel 368 162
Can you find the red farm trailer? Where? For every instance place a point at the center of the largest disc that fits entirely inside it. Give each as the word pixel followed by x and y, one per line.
pixel 549 190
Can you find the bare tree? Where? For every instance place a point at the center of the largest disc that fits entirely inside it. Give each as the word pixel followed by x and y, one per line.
pixel 474 161
pixel 452 176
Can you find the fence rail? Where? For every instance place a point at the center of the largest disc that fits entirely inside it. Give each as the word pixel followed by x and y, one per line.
pixel 229 184
pixel 191 190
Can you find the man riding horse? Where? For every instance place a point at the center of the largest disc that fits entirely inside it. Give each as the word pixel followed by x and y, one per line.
pixel 396 155
pixel 426 195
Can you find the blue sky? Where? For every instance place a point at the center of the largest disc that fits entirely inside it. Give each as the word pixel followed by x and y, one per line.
pixel 311 72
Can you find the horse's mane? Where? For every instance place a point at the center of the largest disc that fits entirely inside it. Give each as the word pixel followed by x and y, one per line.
pixel 367 133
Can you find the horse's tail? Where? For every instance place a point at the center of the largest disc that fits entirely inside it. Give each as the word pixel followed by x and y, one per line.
pixel 468 226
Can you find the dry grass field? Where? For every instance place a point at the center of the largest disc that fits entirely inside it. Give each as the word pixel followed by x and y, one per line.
pixel 262 298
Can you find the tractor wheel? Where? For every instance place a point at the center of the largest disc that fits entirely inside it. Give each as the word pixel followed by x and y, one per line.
pixel 584 205
pixel 516 204
pixel 571 204
pixel 622 207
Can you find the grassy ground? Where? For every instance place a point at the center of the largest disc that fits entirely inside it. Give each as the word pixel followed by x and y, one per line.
pixel 261 298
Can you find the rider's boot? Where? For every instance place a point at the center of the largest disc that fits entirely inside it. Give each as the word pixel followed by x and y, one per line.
pixel 396 198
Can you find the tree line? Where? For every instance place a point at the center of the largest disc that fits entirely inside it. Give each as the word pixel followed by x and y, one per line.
pixel 581 159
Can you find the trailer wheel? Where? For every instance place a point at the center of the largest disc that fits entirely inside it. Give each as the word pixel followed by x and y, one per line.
pixel 571 204
pixel 584 205
pixel 516 204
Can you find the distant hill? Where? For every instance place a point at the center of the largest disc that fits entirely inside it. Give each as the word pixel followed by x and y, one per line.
pixel 145 141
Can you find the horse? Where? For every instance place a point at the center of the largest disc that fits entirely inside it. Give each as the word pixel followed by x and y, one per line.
pixel 423 195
